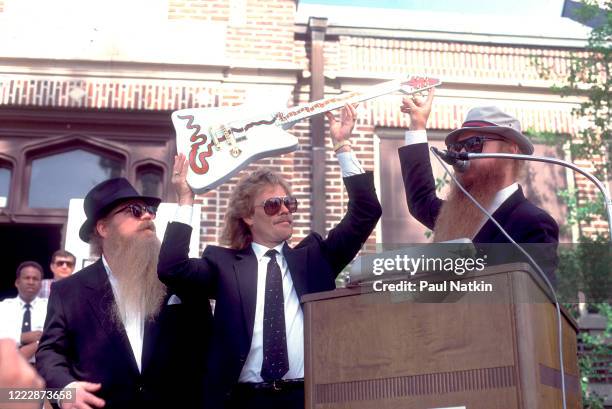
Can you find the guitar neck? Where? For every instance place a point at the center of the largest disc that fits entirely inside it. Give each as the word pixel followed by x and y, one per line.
pixel 303 111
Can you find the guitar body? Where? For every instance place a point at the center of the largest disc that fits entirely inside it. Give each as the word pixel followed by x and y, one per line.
pixel 219 142
pixel 212 164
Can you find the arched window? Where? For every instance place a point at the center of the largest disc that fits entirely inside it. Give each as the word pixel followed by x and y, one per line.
pixel 57 178
pixel 149 179
pixel 5 184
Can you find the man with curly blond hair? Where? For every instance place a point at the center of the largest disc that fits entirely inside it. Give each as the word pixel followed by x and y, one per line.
pixel 256 358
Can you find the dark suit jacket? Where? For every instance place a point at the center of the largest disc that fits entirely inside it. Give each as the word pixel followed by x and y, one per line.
pixel 524 222
pixel 230 276
pixel 80 342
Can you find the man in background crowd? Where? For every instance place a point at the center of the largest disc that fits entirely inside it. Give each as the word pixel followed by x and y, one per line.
pixel 62 266
pixel 22 318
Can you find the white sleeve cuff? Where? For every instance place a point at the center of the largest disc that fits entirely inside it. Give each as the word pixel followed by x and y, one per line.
pixel 413 137
pixel 183 214
pixel 349 164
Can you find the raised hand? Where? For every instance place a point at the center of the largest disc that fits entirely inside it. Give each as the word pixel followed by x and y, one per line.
pixel 419 109
pixel 342 130
pixel 179 180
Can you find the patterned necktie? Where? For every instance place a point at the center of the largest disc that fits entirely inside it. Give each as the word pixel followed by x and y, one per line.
pixel 26 324
pixel 275 360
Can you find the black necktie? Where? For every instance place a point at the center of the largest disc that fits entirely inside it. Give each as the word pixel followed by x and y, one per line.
pixel 275 360
pixel 26 324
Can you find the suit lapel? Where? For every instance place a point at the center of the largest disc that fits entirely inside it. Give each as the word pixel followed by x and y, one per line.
pixel 297 262
pixel 102 303
pixel 489 230
pixel 245 269
pixel 151 333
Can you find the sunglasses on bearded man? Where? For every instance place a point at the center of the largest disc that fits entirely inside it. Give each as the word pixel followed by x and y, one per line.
pixel 273 205
pixel 473 144
pixel 139 210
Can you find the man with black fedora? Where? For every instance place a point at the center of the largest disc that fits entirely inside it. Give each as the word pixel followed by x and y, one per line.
pixel 113 334
pixel 493 182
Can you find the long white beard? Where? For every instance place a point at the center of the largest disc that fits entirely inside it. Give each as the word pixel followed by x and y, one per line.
pixel 133 262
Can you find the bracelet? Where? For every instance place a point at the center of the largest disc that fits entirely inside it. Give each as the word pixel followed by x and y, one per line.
pixel 345 142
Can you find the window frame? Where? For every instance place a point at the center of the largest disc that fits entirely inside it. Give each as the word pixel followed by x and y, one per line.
pixel 8 162
pixel 151 164
pixel 27 134
pixel 52 147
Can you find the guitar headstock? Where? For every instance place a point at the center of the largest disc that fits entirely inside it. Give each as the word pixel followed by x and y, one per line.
pixel 415 84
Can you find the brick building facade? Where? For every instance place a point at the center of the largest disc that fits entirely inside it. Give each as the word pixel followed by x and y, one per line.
pixel 106 85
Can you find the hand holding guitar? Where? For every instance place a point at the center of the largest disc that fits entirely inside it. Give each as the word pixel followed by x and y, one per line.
pixel 340 132
pixel 418 109
pixel 179 180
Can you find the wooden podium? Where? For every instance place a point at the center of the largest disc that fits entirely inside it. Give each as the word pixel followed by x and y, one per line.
pixel 424 350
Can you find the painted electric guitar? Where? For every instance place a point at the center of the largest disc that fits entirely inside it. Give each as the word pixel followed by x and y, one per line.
pixel 219 142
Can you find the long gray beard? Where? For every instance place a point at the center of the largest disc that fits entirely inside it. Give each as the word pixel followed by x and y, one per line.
pixel 133 262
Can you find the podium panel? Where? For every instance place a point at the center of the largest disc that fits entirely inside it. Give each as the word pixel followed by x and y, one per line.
pixel 383 350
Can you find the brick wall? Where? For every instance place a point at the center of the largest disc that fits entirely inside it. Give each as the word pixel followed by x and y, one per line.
pixel 260 33
pixel 216 10
pixel 257 30
pixel 449 60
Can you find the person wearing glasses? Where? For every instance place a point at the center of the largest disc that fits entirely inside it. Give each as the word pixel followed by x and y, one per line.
pixel 256 357
pixel 62 266
pixel 493 182
pixel 113 334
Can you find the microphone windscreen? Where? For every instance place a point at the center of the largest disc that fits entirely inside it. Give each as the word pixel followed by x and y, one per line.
pixel 461 166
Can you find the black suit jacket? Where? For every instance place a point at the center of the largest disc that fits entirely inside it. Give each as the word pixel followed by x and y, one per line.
pixel 230 276
pixel 80 342
pixel 524 222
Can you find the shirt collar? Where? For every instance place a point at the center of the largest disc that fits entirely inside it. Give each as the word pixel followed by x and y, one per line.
pixel 111 277
pixel 22 303
pixel 260 250
pixel 502 196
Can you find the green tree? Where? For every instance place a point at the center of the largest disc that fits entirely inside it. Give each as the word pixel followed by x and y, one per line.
pixel 589 78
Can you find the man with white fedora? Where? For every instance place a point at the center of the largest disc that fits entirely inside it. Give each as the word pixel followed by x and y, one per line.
pixel 493 182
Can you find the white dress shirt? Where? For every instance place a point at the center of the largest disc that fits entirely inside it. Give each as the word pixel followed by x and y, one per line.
pixel 133 323
pixel 414 137
pixel 294 320
pixel 11 316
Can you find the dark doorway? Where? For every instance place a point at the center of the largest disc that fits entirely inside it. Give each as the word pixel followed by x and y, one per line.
pixel 21 242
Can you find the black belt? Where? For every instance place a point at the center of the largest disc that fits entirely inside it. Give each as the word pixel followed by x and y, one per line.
pixel 275 386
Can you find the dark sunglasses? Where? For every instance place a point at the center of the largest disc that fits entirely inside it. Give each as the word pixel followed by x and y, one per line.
pixel 273 205
pixel 60 263
pixel 138 210
pixel 473 144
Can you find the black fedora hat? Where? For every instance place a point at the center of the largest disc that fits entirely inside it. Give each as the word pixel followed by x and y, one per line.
pixel 103 197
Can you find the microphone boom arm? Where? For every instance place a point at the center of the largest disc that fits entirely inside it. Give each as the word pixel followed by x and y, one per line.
pixel 597 182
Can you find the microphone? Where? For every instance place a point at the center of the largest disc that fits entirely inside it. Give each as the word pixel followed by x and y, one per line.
pixel 459 161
